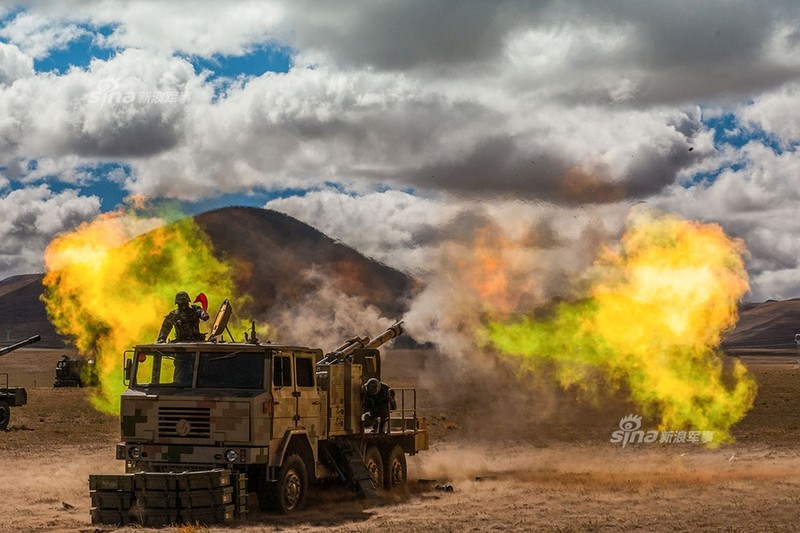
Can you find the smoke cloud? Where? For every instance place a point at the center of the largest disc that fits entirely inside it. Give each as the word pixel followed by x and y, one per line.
pixel 644 318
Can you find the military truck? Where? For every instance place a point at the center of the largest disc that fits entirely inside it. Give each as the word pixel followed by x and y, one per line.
pixel 12 396
pixel 284 415
pixel 76 372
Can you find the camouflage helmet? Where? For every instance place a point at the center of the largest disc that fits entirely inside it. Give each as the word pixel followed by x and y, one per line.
pixel 182 298
pixel 373 386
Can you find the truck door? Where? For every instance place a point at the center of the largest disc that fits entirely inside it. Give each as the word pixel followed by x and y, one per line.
pixel 284 402
pixel 308 406
pixel 294 392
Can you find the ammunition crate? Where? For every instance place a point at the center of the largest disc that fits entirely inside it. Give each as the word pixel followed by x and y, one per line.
pixel 239 482
pixel 154 499
pixel 157 500
pixel 208 515
pixel 157 517
pixel 110 516
pixel 122 482
pixel 206 498
pixel 111 500
pixel 204 480
pixel 156 481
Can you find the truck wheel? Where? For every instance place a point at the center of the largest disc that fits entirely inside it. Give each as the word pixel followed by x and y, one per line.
pixel 374 463
pixel 289 493
pixel 5 415
pixel 394 468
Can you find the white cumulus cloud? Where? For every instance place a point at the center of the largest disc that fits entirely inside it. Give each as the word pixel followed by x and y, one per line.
pixel 31 217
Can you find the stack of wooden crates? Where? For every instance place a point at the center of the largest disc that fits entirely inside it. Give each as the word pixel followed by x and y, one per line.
pixel 159 499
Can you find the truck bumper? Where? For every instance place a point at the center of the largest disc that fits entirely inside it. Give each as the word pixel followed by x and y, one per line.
pixel 161 457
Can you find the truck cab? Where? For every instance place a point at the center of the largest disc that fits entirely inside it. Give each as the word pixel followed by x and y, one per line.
pixel 215 404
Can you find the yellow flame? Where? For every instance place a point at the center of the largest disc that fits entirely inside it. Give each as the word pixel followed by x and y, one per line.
pixel 653 321
pixel 110 282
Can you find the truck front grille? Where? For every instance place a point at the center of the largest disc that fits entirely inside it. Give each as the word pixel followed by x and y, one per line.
pixel 184 422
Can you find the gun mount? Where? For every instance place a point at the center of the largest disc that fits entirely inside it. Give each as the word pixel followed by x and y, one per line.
pixel 346 350
pixel 20 344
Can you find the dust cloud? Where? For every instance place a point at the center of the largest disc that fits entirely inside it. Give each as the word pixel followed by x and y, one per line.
pixel 325 316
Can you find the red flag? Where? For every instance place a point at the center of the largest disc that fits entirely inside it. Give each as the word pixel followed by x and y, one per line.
pixel 203 301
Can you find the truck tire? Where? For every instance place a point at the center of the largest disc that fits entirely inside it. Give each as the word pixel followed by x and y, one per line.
pixel 288 494
pixel 5 415
pixel 374 462
pixel 395 469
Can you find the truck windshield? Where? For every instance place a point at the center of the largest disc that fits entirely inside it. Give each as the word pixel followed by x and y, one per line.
pixel 238 370
pixel 164 369
pixel 215 370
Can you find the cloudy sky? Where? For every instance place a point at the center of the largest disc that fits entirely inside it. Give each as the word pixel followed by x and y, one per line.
pixel 398 126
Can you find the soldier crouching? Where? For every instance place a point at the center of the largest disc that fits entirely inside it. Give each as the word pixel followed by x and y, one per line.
pixel 377 399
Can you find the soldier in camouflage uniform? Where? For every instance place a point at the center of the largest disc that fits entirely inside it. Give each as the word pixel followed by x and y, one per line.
pixel 377 398
pixel 185 319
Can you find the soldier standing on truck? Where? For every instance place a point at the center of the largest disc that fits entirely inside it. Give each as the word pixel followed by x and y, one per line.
pixel 377 399
pixel 185 319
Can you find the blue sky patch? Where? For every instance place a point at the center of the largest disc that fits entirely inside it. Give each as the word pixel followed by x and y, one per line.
pixel 728 130
pixel 105 182
pixel 260 60
pixel 79 53
pixel 108 185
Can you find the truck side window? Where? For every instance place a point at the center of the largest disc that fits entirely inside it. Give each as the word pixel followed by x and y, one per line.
pixel 144 369
pixel 304 370
pixel 282 371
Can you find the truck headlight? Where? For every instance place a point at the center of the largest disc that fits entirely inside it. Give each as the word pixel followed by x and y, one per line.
pixel 134 452
pixel 230 456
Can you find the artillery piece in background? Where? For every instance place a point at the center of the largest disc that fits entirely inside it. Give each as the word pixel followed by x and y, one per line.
pixel 78 372
pixel 12 396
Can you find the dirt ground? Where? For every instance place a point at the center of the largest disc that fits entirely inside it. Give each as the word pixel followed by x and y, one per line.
pixel 518 459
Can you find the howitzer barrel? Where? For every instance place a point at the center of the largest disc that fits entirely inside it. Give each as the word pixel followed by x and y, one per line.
pixel 341 352
pixel 395 330
pixel 345 350
pixel 20 344
pixel 352 344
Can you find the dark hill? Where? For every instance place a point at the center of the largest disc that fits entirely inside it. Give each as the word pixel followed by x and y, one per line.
pixel 22 314
pixel 277 251
pixel 770 324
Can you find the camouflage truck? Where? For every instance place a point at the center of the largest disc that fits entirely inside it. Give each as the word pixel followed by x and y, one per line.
pixel 12 396
pixel 284 415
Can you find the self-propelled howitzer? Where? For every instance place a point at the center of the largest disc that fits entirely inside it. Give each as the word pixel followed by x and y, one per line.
pixel 284 415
